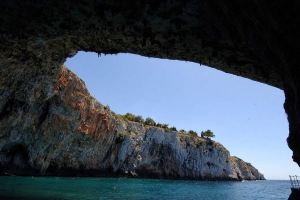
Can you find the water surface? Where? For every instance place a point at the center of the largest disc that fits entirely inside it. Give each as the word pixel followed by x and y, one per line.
pixel 15 187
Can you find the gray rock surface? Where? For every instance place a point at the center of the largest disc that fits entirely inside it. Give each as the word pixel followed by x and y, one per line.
pixel 150 151
pixel 54 127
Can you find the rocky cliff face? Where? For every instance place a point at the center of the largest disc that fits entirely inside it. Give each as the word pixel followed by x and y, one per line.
pixel 150 151
pixel 50 125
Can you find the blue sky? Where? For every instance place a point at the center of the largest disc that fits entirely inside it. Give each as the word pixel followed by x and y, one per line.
pixel 247 117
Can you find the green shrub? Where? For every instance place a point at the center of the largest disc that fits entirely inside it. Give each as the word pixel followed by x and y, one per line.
pixel 167 129
pixel 173 128
pixel 138 119
pixel 162 125
pixel 182 131
pixel 150 122
pixel 124 118
pixel 165 126
pixel 192 133
pixel 115 115
pixel 128 117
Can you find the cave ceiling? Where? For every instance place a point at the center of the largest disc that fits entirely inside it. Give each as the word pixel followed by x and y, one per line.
pixel 249 38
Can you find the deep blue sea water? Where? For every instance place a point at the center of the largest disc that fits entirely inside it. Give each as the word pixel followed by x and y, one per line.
pixel 15 187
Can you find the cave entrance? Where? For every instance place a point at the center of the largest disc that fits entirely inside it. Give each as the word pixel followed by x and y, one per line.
pixel 247 117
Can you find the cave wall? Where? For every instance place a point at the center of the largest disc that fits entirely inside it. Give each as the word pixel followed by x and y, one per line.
pixel 249 38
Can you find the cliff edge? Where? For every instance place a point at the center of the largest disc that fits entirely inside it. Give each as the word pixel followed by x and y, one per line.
pixel 50 125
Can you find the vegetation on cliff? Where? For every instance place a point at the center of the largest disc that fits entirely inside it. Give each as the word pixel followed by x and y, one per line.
pixel 150 122
pixel 207 133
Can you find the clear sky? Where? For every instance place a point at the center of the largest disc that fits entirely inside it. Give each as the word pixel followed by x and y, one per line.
pixel 247 117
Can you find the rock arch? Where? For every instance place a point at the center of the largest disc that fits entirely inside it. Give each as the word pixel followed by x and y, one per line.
pixel 249 38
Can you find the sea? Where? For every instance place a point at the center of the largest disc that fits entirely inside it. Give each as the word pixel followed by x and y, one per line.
pixel 20 187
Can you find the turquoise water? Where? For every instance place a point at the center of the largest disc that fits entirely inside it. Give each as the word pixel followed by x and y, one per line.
pixel 127 188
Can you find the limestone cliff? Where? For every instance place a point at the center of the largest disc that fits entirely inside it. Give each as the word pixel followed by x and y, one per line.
pixel 50 125
pixel 150 151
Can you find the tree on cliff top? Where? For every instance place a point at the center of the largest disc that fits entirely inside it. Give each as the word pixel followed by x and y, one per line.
pixel 207 134
pixel 150 122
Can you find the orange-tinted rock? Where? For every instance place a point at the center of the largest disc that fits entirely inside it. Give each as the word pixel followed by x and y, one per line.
pixel 60 129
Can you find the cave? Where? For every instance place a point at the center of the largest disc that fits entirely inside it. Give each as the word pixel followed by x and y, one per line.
pixel 249 38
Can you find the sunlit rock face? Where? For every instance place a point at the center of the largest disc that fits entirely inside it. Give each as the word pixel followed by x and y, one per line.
pixel 56 128
pixel 152 152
